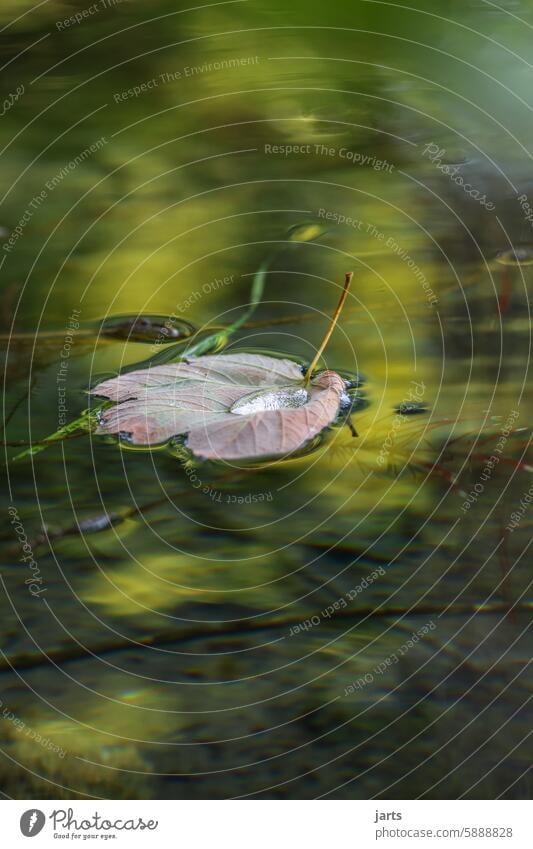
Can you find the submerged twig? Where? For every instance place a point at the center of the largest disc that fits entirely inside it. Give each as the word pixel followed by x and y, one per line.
pixel 85 422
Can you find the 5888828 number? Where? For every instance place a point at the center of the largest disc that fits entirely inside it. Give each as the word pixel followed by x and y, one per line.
pixel 487 831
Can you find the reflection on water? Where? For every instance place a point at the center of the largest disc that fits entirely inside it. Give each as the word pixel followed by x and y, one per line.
pixel 352 622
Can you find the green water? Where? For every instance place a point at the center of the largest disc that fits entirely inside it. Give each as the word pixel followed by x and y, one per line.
pixel 340 624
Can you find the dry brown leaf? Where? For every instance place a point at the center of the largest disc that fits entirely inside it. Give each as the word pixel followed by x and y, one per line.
pixel 230 406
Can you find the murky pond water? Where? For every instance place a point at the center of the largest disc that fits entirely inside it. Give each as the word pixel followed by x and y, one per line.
pixel 352 622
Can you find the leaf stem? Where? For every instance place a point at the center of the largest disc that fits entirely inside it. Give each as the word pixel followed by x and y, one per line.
pixel 347 281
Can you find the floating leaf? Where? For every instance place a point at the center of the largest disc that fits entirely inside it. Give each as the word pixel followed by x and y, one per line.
pixel 228 407
pixel 233 406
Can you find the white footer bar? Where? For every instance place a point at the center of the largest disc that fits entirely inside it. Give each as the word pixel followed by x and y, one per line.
pixel 268 824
